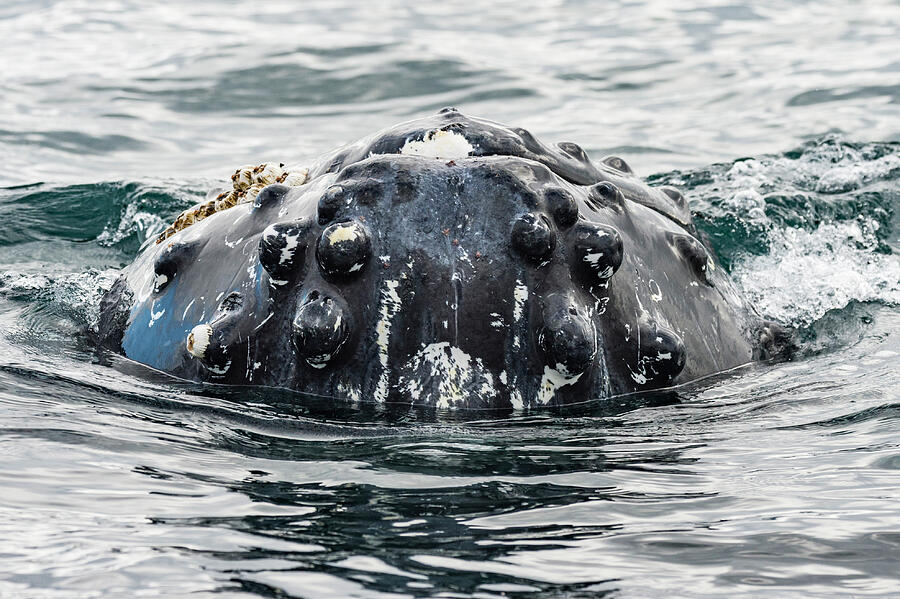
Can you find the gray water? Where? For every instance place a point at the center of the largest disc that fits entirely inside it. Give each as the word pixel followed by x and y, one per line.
pixel 780 120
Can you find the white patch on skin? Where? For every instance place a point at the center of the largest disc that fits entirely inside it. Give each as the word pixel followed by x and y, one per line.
pixel 159 281
pixel 154 316
pixel 231 244
pixel 453 373
pixel 222 370
pixel 348 390
pixel 390 305
pixel 356 267
pixel 639 378
pixel 184 315
pixel 517 402
pixel 520 296
pixel 345 233
pixel 265 320
pixel 593 259
pixel 198 340
pixel 464 256
pixel 439 144
pixel 551 381
pixel 287 252
pixel 655 291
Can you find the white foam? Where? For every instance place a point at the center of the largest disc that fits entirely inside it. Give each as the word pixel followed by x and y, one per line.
pixel 807 273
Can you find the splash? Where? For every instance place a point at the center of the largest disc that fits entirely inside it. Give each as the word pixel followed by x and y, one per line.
pixel 74 296
pixel 805 232
pixel 808 273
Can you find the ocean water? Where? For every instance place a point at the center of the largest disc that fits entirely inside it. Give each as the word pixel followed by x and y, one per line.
pixel 781 122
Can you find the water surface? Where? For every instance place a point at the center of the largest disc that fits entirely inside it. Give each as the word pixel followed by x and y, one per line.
pixel 778 119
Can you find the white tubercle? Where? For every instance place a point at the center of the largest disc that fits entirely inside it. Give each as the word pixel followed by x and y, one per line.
pixel 439 144
pixel 198 340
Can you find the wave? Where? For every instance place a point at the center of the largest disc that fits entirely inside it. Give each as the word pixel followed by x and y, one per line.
pixel 116 214
pixel 805 232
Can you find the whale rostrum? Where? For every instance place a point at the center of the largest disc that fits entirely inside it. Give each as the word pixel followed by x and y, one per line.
pixel 448 261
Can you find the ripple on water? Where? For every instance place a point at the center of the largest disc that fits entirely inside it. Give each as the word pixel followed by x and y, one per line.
pixel 773 480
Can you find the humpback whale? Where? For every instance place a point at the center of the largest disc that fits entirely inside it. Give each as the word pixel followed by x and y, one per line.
pixel 449 261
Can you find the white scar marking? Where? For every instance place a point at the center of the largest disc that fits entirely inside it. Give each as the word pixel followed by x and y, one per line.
pixel 655 291
pixel 184 315
pixel 439 144
pixel 265 320
pixel 154 316
pixel 520 296
pixel 345 233
pixel 551 381
pixel 390 305
pixel 454 373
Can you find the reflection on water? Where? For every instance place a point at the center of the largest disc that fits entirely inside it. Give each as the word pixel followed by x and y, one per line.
pixel 782 476
pixel 772 480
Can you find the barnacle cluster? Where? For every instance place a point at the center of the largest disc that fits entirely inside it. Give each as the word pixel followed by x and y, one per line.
pixel 246 182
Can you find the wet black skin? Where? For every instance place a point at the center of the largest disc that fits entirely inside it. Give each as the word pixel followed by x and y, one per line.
pixel 520 275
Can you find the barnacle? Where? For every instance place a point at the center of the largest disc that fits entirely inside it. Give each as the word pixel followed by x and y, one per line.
pixel 246 182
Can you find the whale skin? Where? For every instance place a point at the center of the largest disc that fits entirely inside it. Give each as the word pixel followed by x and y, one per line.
pixel 449 261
